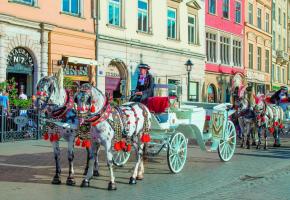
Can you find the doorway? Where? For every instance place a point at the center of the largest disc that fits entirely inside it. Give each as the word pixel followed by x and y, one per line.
pixel 20 80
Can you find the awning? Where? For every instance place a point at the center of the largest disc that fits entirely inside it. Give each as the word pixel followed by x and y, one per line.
pixel 78 60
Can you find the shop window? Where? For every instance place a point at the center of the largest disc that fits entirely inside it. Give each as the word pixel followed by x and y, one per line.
pixel 71 6
pixel 211 94
pixel 193 91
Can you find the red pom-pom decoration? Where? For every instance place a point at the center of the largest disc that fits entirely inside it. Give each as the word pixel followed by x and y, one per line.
pixel 271 129
pixel 84 143
pixel 263 119
pixel 93 108
pixel 45 136
pixel 128 148
pixel 88 144
pixel 281 126
pixel 56 137
pixel 145 138
pixel 51 138
pixel 259 117
pixel 276 123
pixel 78 142
pixel 123 145
pixel 117 146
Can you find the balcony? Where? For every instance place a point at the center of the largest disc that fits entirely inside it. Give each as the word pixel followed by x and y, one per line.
pixel 282 57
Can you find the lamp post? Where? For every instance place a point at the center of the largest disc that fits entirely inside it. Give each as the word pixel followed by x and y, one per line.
pixel 188 65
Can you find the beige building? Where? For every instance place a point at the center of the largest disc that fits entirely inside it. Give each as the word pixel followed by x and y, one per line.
pixel 163 34
pixel 258 27
pixel 38 37
pixel 279 44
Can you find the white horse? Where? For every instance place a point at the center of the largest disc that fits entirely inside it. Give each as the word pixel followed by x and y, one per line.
pixel 269 116
pixel 61 121
pixel 113 127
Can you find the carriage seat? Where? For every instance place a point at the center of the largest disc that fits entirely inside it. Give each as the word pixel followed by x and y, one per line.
pixel 157 104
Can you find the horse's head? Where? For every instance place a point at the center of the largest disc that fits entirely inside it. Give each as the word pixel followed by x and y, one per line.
pixel 46 90
pixel 89 100
pixel 259 107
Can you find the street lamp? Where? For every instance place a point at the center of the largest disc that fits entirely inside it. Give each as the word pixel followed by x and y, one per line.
pixel 188 65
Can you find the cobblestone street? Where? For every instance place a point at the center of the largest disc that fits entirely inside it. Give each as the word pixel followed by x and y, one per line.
pixel 26 170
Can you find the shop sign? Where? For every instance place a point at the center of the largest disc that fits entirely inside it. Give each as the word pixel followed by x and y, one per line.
pixel 20 56
pixel 251 75
pixel 112 71
pixel 76 70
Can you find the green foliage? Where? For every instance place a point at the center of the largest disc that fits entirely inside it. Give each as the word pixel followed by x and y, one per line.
pixel 68 83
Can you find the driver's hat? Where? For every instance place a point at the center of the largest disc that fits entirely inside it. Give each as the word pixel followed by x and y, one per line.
pixel 144 66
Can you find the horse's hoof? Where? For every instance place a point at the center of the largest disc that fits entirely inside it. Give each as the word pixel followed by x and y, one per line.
pixel 258 147
pixel 56 180
pixel 70 181
pixel 85 183
pixel 96 173
pixel 132 181
pixel 112 186
pixel 275 145
pixel 140 177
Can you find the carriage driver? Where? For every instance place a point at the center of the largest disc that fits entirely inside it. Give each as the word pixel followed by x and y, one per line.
pixel 145 83
pixel 279 95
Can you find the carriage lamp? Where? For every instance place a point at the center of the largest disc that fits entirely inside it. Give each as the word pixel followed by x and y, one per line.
pixel 188 65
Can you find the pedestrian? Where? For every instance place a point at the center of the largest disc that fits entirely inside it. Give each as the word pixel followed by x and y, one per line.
pixel 145 84
pixel 22 95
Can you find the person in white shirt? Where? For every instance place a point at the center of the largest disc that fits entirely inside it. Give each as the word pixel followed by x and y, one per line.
pixel 22 95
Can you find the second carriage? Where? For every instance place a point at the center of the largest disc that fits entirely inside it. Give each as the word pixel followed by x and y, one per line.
pixel 173 124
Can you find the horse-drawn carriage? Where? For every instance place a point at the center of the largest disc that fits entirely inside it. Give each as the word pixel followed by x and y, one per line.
pixel 173 124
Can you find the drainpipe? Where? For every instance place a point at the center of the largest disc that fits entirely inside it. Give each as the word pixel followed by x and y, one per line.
pixel 96 27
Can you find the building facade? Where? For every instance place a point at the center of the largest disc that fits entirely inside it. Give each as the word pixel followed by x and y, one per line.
pixel 258 51
pixel 280 54
pixel 224 20
pixel 163 34
pixel 34 44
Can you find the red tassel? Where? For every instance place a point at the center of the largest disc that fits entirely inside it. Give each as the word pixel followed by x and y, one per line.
pixel 145 138
pixel 51 138
pixel 123 145
pixel 88 144
pixel 271 129
pixel 117 146
pixel 93 108
pixel 276 123
pixel 45 136
pixel 84 143
pixel 56 137
pixel 259 117
pixel 128 148
pixel 281 126
pixel 78 142
pixel 263 119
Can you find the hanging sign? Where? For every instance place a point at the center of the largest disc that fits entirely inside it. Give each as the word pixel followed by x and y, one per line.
pixel 20 56
pixel 112 71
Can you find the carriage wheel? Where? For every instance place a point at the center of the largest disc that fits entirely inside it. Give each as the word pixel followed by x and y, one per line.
pixel 120 158
pixel 227 144
pixel 177 152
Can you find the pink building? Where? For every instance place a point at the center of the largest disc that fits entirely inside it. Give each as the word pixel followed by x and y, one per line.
pixel 224 20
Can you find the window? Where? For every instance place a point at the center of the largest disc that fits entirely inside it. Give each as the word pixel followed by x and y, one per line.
pixel 273 11
pixel 274 40
pixel 259 58
pixel 279 15
pixel 284 20
pixel 250 14
pixel 238 12
pixel 192 30
pixel 279 42
pixel 251 58
pixel 115 12
pixel 267 25
pixel 212 6
pixel 226 9
pixel 284 44
pixel 259 18
pixel 28 2
pixel 171 23
pixel 237 52
pixel 211 47
pixel 143 15
pixel 225 50
pixel 193 91
pixel 267 61
pixel 71 6
pixel 273 72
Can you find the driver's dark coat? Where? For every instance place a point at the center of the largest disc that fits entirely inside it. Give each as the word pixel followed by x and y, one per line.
pixel 147 89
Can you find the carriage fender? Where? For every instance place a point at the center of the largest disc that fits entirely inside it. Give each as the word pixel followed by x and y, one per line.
pixel 192 131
